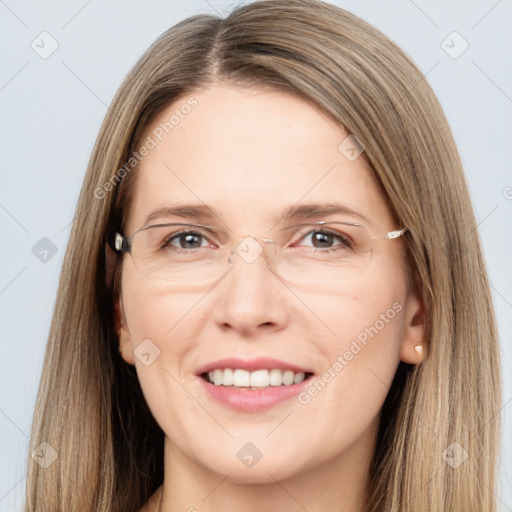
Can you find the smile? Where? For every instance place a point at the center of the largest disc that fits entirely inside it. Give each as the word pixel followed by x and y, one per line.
pixel 255 391
pixel 258 379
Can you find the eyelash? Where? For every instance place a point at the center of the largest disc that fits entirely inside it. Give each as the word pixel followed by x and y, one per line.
pixel 345 240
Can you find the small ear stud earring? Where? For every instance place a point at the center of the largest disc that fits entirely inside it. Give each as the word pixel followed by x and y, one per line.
pixel 120 349
pixel 419 349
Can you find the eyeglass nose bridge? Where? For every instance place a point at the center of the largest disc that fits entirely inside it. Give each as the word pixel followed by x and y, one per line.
pixel 248 248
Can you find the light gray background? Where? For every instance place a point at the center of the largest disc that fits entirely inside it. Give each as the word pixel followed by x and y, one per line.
pixel 51 110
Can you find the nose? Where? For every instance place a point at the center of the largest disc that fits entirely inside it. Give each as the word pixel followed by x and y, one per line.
pixel 251 296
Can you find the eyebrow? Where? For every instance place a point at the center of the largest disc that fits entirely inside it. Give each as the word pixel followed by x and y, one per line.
pixel 202 212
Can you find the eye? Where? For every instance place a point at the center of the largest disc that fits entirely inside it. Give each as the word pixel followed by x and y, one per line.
pixel 324 239
pixel 186 240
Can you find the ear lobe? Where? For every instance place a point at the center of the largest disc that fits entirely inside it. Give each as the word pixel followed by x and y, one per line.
pixel 413 346
pixel 119 320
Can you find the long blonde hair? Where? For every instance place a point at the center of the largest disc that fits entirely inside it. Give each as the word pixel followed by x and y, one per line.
pixel 90 408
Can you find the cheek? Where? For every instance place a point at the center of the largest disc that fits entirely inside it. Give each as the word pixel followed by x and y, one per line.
pixel 161 325
pixel 362 345
pixel 360 311
pixel 152 312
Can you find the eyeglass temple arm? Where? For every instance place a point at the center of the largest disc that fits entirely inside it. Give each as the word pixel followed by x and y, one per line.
pixel 118 243
pixel 395 234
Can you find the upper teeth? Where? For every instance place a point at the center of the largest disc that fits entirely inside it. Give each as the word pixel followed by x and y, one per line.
pixel 256 379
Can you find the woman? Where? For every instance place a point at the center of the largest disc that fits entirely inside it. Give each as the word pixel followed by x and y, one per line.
pixel 274 286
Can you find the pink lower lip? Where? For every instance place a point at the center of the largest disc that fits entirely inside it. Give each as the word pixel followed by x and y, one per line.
pixel 249 400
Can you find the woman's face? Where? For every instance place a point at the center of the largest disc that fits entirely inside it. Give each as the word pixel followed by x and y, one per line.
pixel 249 154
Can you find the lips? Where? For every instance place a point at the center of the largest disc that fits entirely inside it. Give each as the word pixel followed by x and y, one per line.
pixel 260 363
pixel 252 400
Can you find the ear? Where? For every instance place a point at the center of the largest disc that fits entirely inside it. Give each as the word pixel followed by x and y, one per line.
pixel 125 340
pixel 110 265
pixel 413 346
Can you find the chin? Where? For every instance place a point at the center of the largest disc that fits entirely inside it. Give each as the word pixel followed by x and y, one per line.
pixel 260 474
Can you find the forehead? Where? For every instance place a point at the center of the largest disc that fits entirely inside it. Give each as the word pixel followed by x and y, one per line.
pixel 249 154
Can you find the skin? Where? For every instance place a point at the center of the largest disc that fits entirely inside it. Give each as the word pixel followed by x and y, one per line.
pixel 250 153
